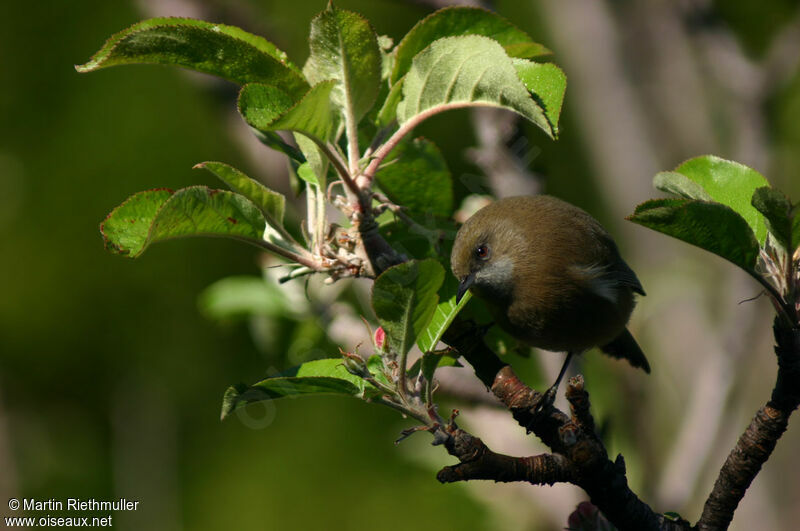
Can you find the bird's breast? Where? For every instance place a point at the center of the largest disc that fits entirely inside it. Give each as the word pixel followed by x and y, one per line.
pixel 563 316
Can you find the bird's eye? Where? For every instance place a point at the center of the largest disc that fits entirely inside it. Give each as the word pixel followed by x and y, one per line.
pixel 482 252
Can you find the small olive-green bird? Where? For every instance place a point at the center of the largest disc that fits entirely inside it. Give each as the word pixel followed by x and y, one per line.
pixel 551 276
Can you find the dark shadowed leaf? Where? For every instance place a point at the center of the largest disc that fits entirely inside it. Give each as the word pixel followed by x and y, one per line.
pixel 225 51
pixel 711 226
pixel 796 228
pixel 415 175
pixel 455 21
pixel 345 48
pixel 777 212
pixel 468 71
pixel 430 361
pixel 157 215
pixel 317 377
pixel 273 140
pixel 404 299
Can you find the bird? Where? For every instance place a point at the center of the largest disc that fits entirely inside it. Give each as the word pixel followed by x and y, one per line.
pixel 551 276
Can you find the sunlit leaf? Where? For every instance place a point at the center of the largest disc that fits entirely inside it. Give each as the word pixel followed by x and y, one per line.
pixel 268 108
pixel 344 48
pixel 678 184
pixel 388 113
pixel 547 83
pixel 455 21
pixel 377 368
pixel 446 311
pixel 305 172
pixel 157 215
pixel 724 181
pixel 225 51
pixel 467 71
pixel 272 204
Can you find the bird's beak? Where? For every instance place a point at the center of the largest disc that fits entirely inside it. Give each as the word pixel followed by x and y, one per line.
pixel 464 286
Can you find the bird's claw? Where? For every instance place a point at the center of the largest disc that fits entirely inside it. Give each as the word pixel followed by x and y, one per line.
pixel 546 400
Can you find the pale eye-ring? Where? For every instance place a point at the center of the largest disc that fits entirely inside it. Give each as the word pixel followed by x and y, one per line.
pixel 482 251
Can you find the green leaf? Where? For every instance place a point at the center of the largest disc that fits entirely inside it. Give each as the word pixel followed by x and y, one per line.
pixel 429 362
pixel 714 227
pixel 404 299
pixel 377 368
pixel 388 112
pixel 729 183
pixel 413 241
pixel 225 51
pixel 777 212
pixel 242 296
pixel 157 215
pixel 415 176
pixel 326 376
pixel 433 360
pixel 317 161
pixel 455 21
pixel 268 108
pixel 796 229
pixel 274 141
pixel 446 311
pixel 388 54
pixel 345 48
pixel 678 184
pixel 272 204
pixel 547 83
pixel 305 172
pixel 466 71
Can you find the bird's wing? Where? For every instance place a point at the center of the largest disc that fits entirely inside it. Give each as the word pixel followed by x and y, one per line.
pixel 626 277
pixel 607 279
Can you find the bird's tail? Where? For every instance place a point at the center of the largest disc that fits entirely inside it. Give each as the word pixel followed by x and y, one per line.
pixel 624 346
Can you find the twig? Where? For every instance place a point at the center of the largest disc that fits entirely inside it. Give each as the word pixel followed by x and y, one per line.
pixel 759 439
pixel 479 462
pixel 571 438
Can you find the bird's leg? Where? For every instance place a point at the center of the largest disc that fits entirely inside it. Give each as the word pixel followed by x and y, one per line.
pixel 549 396
pixel 484 329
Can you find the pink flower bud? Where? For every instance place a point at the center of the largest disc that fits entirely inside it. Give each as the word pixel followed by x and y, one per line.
pixel 380 338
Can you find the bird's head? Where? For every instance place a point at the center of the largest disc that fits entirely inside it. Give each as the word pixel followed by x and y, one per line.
pixel 483 254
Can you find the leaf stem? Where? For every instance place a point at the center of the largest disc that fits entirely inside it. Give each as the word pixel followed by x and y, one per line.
pixel 407 127
pixel 351 129
pixel 339 166
pixel 303 258
pixel 781 305
pixel 424 419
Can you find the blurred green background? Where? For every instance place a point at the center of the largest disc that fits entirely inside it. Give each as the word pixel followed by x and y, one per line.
pixel 111 379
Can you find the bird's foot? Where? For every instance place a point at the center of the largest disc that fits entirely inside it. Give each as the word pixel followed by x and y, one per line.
pixel 484 328
pixel 546 400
